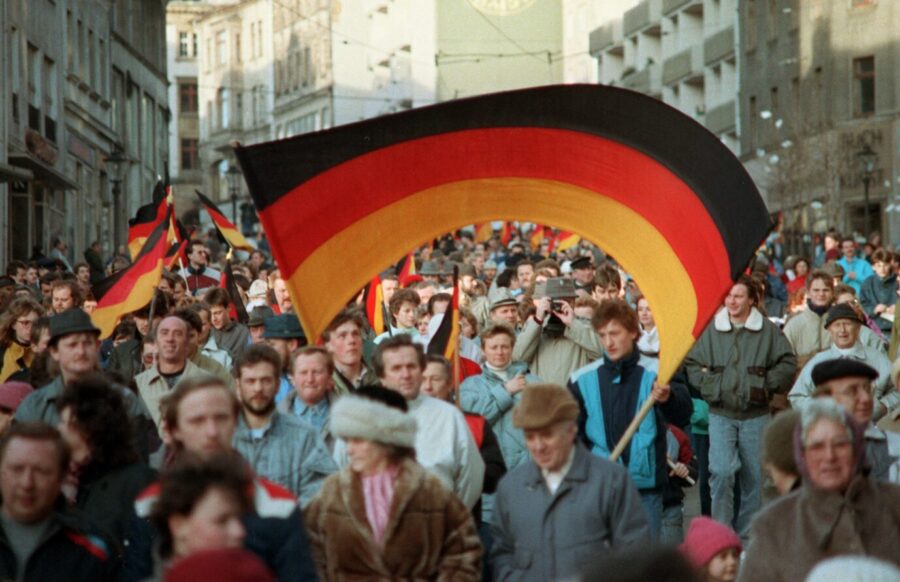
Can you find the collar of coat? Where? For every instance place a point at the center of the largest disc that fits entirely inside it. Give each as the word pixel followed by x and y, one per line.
pixel 754 320
pixel 409 480
pixel 577 472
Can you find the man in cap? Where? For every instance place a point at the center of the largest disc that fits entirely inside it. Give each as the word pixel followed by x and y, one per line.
pixel 489 272
pixel 284 334
pixel 172 364
pixel 844 323
pixel 504 309
pixel 553 342
pixel 563 506
pixel 583 274
pixel 257 322
pixel 431 271
pixel 75 347
pixel 849 382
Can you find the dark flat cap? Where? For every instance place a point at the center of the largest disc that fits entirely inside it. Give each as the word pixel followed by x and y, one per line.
pixel 582 263
pixel 284 326
pixel 71 321
pixel 842 368
pixel 258 315
pixel 841 311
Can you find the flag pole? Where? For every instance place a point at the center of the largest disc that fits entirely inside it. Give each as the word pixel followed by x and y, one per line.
pixel 632 428
pixel 152 309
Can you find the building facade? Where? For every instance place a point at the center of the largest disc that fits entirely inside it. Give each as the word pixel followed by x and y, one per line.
pixel 83 79
pixel 819 85
pixel 679 51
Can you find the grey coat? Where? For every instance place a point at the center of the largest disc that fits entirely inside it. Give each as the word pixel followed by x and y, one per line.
pixel 539 536
pixel 40 406
pixel 290 453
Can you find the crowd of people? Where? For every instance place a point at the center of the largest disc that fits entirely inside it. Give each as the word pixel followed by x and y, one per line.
pixel 197 443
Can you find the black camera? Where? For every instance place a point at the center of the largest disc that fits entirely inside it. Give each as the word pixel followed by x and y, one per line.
pixel 557 305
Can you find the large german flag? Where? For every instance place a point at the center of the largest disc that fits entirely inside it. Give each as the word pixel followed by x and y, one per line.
pixel 132 288
pixel 226 228
pixel 645 182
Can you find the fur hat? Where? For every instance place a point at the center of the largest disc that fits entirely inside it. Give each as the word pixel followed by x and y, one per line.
pixel 543 405
pixel 365 418
pixel 705 538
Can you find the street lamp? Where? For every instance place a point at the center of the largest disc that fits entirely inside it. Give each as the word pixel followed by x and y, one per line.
pixel 233 175
pixel 117 166
pixel 867 159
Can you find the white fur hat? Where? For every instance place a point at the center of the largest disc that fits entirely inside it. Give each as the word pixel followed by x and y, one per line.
pixel 364 418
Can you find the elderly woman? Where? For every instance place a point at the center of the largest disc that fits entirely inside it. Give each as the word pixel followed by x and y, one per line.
pixel 16 323
pixel 384 516
pixel 200 507
pixel 837 510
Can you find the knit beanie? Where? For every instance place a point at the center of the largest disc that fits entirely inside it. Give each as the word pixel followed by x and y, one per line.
pixel 705 538
pixel 778 442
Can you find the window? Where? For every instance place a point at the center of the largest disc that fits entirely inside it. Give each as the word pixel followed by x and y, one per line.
pixel 209 54
pixel 222 103
pixel 189 154
pixel 773 100
pixel 194 49
pixel 259 39
pixel 187 98
pixel 34 88
pixel 252 40
pixel 14 57
pixel 222 47
pixel 239 108
pixel 751 25
pixel 183 44
pixel 752 110
pixel 49 99
pixel 237 47
pixel 864 86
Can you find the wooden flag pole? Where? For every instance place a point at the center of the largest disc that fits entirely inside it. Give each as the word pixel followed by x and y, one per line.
pixel 632 428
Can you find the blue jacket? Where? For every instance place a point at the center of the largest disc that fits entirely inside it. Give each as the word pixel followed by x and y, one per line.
pixel 610 394
pixel 861 267
pixel 486 395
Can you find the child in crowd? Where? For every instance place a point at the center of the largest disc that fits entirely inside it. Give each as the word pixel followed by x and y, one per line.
pixel 713 549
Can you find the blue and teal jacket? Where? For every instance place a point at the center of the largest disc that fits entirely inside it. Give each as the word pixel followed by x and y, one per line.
pixel 610 394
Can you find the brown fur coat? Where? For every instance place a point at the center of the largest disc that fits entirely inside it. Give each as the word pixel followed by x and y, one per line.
pixel 429 536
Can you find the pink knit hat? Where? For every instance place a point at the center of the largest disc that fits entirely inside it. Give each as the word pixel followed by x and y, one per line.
pixel 705 538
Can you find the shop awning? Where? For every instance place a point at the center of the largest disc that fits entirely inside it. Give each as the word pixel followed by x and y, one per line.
pixel 42 172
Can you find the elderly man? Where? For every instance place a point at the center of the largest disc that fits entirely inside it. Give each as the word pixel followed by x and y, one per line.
pixel 504 309
pixel 843 323
pixel 444 444
pixel 202 416
pixel 838 510
pixel 284 335
pixel 553 342
pixel 278 446
pixel 39 538
pixel 313 393
pixel 172 364
pixel 344 341
pixel 849 383
pixel 563 507
pixel 74 347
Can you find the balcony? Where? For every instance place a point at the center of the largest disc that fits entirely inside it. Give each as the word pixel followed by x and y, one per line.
pixel 636 19
pixel 719 45
pixel 686 64
pixel 601 38
pixel 673 5
pixel 647 80
pixel 721 117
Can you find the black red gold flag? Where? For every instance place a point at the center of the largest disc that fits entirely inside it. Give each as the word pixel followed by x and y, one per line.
pixel 643 181
pixel 407 271
pixel 445 340
pixel 238 309
pixel 564 240
pixel 226 228
pixel 374 301
pixel 132 288
pixel 146 219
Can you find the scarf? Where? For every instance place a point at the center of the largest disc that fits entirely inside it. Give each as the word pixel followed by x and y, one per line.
pixel 819 310
pixel 378 491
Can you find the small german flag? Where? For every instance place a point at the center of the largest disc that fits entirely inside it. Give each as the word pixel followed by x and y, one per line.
pixel 145 220
pixel 226 228
pixel 445 340
pixel 506 232
pixel 537 236
pixel 374 300
pixel 132 288
pixel 238 309
pixel 563 241
pixel 407 271
pixel 483 232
